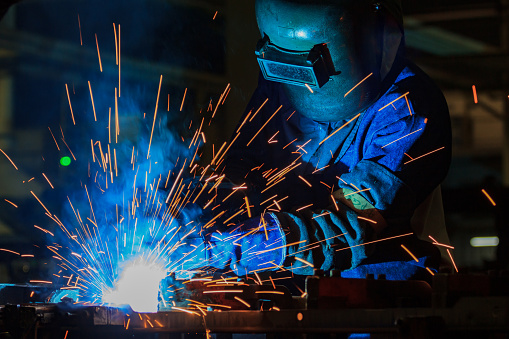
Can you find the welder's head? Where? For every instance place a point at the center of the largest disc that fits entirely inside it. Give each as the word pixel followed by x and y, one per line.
pixel 328 47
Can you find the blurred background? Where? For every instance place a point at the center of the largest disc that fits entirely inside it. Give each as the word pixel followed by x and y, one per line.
pixel 201 46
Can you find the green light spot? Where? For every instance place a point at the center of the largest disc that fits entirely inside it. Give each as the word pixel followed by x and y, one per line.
pixel 65 161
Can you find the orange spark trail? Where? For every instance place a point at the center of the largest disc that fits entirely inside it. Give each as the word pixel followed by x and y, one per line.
pixel 439 244
pixel 309 88
pixel 265 124
pixel 10 202
pixel 369 220
pixel 370 74
pixel 304 261
pixel 5 250
pixel 70 106
pixel 116 44
pixel 474 91
pixel 92 98
pixel 339 129
pixel 371 242
pixel 258 110
pixel 364 190
pixel 303 207
pixel 119 60
pixel 45 177
pixel 155 115
pixel 98 53
pixel 307 182
pixel 9 159
pixel 408 105
pixel 183 99
pixel 247 206
pixel 40 202
pixel 430 271
pixel 72 154
pixel 79 26
pixel 402 137
pixel 488 196
pixel 441 148
pixel 411 254
pixel 215 14
pixel 450 256
pixel 390 103
pixel 242 301
pixel 54 138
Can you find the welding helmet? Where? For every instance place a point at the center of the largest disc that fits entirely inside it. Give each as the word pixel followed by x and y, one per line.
pixel 331 56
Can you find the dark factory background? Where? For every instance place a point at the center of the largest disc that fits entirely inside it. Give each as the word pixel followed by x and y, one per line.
pixel 199 46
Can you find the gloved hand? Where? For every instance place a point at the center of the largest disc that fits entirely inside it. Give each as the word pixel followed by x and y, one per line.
pixel 257 244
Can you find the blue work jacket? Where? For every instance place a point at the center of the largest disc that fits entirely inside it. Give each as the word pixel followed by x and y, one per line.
pixel 394 154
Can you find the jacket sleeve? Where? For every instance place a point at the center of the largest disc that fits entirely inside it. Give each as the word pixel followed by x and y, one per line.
pixel 401 164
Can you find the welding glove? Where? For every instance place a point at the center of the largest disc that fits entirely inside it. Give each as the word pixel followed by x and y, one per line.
pixel 257 244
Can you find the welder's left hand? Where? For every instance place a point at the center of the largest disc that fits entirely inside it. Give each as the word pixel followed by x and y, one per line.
pixel 257 244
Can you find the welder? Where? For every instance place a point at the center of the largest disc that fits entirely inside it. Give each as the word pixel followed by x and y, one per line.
pixel 361 135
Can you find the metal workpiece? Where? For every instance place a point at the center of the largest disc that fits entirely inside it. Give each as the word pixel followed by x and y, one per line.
pixel 331 306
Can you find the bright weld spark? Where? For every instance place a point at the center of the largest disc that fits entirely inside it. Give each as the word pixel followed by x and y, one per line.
pixel 214 17
pixel 390 103
pixel 339 129
pixel 45 177
pixel 474 92
pixel 420 129
pixel 184 310
pixel 116 43
pixel 287 245
pixel 441 148
pixel 258 110
pixel 307 182
pixel 440 244
pixel 335 203
pixel 183 99
pixel 408 105
pixel 242 301
pixel 222 291
pixel 58 148
pixel 302 261
pixel 358 191
pixel 247 206
pixel 303 207
pixel 79 26
pixel 321 215
pixel 368 220
pixel 370 74
pixel 70 106
pixel 309 88
pixel 411 254
pixel 452 260
pixel 119 60
pixel 6 250
pixel 276 292
pixel 155 115
pixel 265 124
pixel 430 271
pixel 371 242
pixel 9 159
pixel 40 282
pixel 40 202
pixel 98 54
pixel 10 202
pixel 92 98
pixel 488 196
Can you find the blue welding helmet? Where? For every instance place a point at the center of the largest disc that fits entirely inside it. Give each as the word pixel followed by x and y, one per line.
pixel 322 49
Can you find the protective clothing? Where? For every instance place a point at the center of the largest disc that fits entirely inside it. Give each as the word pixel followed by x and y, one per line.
pixel 392 156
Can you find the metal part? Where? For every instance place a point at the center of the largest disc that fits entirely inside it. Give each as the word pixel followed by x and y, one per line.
pixel 458 304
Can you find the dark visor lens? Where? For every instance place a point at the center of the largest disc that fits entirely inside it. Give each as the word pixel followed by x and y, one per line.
pixel 312 68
